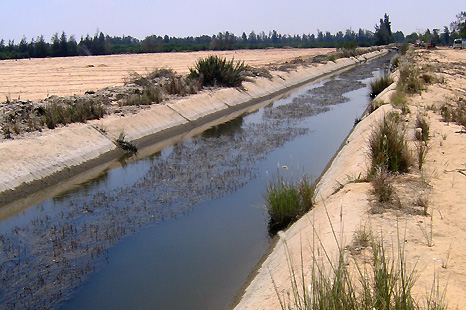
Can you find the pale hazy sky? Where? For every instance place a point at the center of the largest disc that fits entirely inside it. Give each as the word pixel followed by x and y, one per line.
pixel 140 18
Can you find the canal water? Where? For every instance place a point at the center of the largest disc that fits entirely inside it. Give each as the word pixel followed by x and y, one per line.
pixel 184 227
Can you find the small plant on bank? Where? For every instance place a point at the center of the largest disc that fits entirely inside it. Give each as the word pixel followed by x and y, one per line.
pixel 388 147
pixel 382 185
pixel 409 81
pixel 375 104
pixel 422 129
pixel 217 71
pixel 150 94
pixel 399 100
pixel 178 85
pixel 287 200
pixel 380 83
pixel 125 145
pixel 383 282
pixel 56 113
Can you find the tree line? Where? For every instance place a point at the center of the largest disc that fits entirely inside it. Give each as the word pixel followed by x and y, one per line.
pixel 101 44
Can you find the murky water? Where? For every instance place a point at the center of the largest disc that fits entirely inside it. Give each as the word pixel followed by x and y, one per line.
pixel 180 229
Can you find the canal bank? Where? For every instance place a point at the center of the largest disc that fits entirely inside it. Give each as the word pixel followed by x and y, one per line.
pixel 47 159
pixel 198 225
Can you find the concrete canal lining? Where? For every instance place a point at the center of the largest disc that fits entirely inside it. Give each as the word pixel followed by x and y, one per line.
pixel 47 158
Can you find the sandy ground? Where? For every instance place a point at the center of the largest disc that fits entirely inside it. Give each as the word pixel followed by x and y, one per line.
pixel 441 182
pixel 350 205
pixel 36 79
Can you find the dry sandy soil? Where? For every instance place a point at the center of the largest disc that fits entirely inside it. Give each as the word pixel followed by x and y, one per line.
pixel 440 185
pixel 432 200
pixel 36 79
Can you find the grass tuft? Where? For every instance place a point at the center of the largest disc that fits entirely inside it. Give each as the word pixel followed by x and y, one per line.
pixel 380 83
pixel 384 282
pixel 217 71
pixel 150 94
pixel 125 145
pixel 388 147
pixel 409 80
pixel 56 113
pixel 381 183
pixel 287 200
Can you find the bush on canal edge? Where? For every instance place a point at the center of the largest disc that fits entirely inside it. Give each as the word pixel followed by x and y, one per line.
pixel 287 200
pixel 380 83
pixel 388 147
pixel 217 71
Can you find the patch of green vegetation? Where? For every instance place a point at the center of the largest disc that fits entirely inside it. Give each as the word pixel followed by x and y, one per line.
pixel 380 83
pixel 388 147
pixel 125 145
pixel 150 94
pixel 56 113
pixel 217 71
pixel 287 200
pixel 384 281
pixel 409 81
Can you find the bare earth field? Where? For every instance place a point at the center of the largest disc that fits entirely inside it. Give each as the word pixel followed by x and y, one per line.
pixel 35 79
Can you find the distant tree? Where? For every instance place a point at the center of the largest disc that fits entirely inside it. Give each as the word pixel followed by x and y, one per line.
pixel 252 38
pixel 445 36
pixel 63 45
pixel 412 38
pixel 320 36
pixel 383 31
pixel 427 36
pixel 339 36
pixel 398 37
pixel 72 46
pixel 350 35
pixel 435 40
pixel 274 36
pixel 244 37
pixel 40 47
pixel 459 25
pixel 55 45
pixel 23 47
pixel 148 44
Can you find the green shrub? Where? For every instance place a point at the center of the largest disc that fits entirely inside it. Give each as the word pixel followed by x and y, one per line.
pixel 409 80
pixel 380 83
pixel 388 147
pixel 287 200
pixel 56 113
pixel 399 100
pixel 149 95
pixel 375 104
pixel 125 145
pixel 213 70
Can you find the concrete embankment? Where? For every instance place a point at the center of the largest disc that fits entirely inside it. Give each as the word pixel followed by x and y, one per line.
pixel 47 158
pixel 340 207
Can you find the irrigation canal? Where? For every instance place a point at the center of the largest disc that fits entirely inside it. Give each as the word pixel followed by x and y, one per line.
pixel 182 228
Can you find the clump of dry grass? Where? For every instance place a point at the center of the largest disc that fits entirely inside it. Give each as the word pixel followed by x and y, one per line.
pixel 383 282
pixel 388 147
